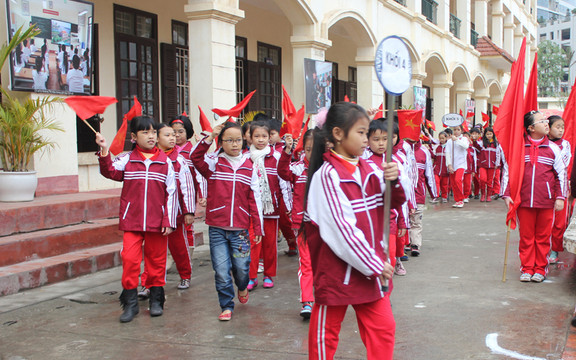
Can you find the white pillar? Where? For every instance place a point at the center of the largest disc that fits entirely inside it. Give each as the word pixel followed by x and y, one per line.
pixel 444 15
pixel 518 37
pixel 462 94
pixel 509 27
pixel 481 17
pixel 441 95
pixel 497 22
pixel 304 48
pixel 463 12
pixel 212 59
pixel 481 107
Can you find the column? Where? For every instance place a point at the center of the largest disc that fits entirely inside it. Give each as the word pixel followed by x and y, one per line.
pixel 212 41
pixel 441 95
pixel 518 37
pixel 509 27
pixel 408 96
pixel 481 106
pixel 481 17
pixel 304 48
pixel 462 94
pixel 444 15
pixel 463 12
pixel 497 22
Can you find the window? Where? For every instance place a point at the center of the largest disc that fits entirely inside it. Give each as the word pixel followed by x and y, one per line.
pixel 136 58
pixel 179 33
pixel 269 80
pixel 542 37
pixel 552 36
pixel 352 88
pixel 241 67
pixel 566 34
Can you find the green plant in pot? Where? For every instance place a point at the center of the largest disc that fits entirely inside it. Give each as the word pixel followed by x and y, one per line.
pixel 23 126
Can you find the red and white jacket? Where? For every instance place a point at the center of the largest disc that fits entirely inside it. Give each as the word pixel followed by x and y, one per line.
pixel 200 184
pixel 345 232
pixel 185 184
pixel 490 154
pixel 543 182
pixel 566 154
pixel 233 195
pixel 297 174
pixel 470 161
pixel 425 173
pixel 149 201
pixel 457 153
pixel 440 167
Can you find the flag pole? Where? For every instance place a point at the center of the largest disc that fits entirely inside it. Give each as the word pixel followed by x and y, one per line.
pixel 506 252
pixel 388 192
pixel 90 126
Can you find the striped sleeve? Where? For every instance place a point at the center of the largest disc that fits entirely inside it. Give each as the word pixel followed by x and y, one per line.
pixel 332 211
pixel 113 170
pixel 429 172
pixel 172 201
pixel 186 187
pixel 561 188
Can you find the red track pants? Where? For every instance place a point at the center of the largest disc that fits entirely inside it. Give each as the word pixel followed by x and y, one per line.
pixel 285 224
pixel 375 322
pixel 476 184
pixel 558 228
pixel 497 174
pixel 457 180
pixel 487 181
pixel 305 276
pixel 535 226
pixel 155 251
pixel 442 183
pixel 267 249
pixel 402 241
pixel 467 185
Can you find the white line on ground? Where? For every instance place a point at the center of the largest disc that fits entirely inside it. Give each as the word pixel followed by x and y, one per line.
pixel 492 343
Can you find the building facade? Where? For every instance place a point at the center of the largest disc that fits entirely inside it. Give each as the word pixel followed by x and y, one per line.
pixel 180 54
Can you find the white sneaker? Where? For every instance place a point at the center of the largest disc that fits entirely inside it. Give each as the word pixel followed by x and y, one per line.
pixel 444 201
pixel 260 267
pixel 459 204
pixel 399 268
pixel 184 284
pixel 466 200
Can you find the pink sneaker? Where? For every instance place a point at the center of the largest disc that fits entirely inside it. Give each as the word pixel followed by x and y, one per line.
pixel 268 283
pixel 252 284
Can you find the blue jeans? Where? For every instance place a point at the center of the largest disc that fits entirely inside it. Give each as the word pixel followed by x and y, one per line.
pixel 229 251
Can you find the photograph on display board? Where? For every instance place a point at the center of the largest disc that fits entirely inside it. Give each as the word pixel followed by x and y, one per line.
pixel 420 100
pixel 318 78
pixel 59 59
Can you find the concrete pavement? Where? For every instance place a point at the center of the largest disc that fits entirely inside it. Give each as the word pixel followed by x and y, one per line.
pixel 451 305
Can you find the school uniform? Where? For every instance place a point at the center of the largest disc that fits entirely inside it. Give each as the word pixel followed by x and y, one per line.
pixel 345 238
pixel 284 221
pixel 469 172
pixel 488 161
pixel 148 203
pixel 560 217
pixel 233 199
pixel 543 182
pixel 441 170
pixel 456 156
pixel 199 182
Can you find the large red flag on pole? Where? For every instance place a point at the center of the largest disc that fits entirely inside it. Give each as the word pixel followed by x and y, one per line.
pixel 118 143
pixel 569 117
pixel 509 129
pixel 236 110
pixel 293 119
pixel 409 124
pixel 531 96
pixel 204 123
pixel 87 106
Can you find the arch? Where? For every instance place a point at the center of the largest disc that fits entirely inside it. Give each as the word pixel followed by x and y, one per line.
pixel 480 80
pixel 436 62
pixel 459 73
pixel 297 11
pixel 413 53
pixel 354 23
pixel 495 84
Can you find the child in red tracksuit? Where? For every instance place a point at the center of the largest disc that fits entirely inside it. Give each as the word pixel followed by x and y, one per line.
pixel 148 209
pixel 542 192
pixel 556 132
pixel 475 134
pixel 440 168
pixel 178 240
pixel 344 232
pixel 297 174
pixel 233 199
pixel 488 162
pixel 272 188
pixel 470 169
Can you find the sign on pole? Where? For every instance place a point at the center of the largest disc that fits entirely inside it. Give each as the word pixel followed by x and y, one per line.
pixel 393 65
pixel 452 120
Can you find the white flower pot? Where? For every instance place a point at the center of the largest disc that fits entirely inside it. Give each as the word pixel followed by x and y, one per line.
pixel 17 186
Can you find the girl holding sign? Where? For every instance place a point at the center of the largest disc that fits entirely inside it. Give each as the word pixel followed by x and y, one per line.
pixel 456 158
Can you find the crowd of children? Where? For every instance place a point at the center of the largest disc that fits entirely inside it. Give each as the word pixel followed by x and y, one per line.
pixel 326 189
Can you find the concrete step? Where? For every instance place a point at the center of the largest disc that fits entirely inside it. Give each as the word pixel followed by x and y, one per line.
pixel 55 211
pixel 35 273
pixel 46 243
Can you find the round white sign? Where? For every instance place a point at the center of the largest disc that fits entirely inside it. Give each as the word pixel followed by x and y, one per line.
pixel 452 120
pixel 393 65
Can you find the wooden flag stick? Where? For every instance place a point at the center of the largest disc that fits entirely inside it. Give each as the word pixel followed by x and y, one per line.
pixel 388 190
pixel 506 253
pixel 90 126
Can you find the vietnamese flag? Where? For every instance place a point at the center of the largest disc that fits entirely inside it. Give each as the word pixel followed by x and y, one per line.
pixel 569 121
pixel 531 96
pixel 495 110
pixel 87 106
pixel 293 123
pixel 430 125
pixel 469 114
pixel 117 145
pixel 465 126
pixel 380 113
pixel 300 145
pixel 236 110
pixel 485 117
pixel 409 124
pixel 204 123
pixel 509 129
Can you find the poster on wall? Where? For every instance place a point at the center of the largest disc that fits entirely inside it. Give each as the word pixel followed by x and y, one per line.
pixel 420 95
pixel 59 59
pixel 318 80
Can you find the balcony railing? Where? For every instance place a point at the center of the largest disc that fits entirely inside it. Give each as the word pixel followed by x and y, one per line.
pixel 455 25
pixel 401 2
pixel 473 37
pixel 430 10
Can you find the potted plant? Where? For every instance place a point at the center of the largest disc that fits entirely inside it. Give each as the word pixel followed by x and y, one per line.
pixel 23 125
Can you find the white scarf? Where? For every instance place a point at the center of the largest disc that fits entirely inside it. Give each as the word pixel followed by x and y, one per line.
pixel 257 157
pixel 235 161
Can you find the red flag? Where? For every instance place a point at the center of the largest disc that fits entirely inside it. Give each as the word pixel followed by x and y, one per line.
pixel 461 113
pixel 465 126
pixel 204 123
pixel 430 125
pixel 184 113
pixel 495 110
pixel 300 145
pixel 236 110
pixel 509 128
pixel 346 98
pixel 118 143
pixel 469 114
pixel 287 104
pixel 485 117
pixel 409 124
pixel 531 96
pixel 569 117
pixel 380 113
pixel 87 106
pixel 293 123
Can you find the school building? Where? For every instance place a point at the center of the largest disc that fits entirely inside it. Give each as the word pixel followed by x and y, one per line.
pixel 180 54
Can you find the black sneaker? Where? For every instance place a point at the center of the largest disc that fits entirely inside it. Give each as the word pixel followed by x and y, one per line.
pixel 476 197
pixel 415 250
